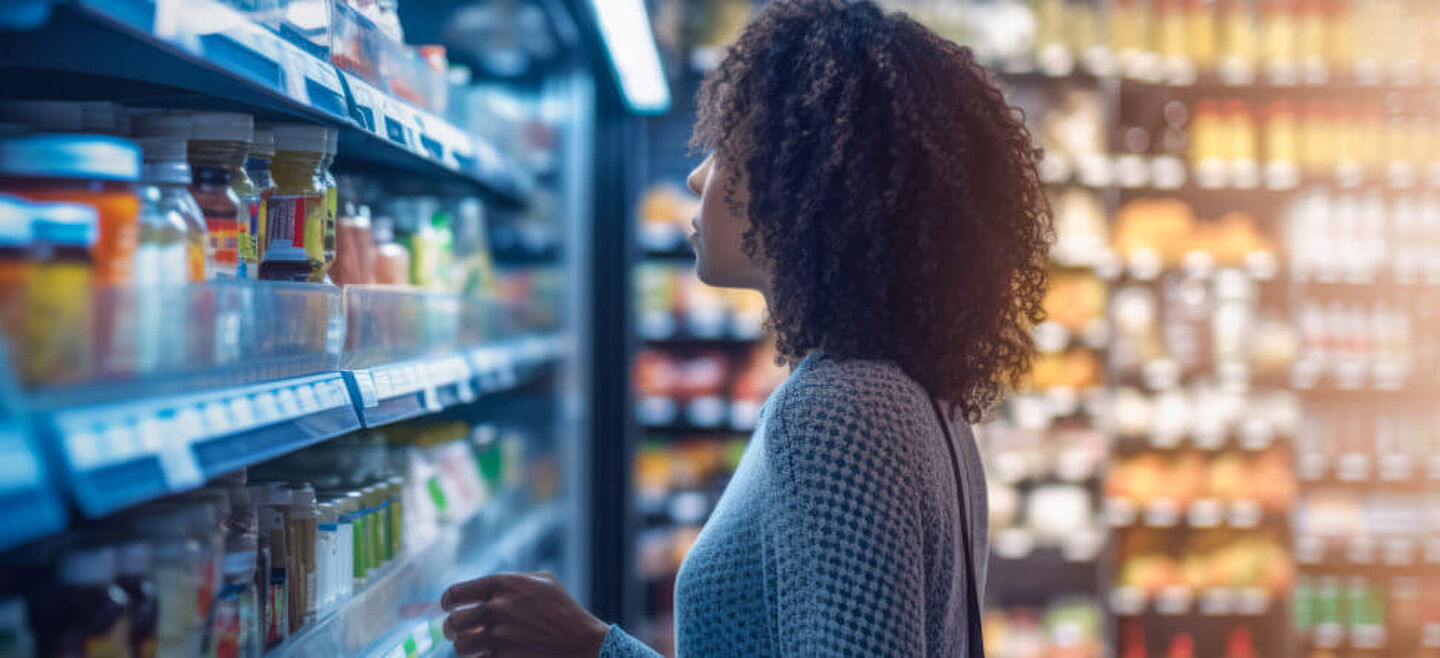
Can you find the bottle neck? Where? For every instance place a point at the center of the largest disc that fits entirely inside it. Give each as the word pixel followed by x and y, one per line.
pixel 228 155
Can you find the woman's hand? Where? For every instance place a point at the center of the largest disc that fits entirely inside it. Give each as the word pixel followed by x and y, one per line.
pixel 520 615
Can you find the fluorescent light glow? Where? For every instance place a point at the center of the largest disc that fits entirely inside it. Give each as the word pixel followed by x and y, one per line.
pixel 636 61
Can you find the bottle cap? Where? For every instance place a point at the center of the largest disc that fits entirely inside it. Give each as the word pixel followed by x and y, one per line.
pixel 262 143
pixel 164 160
pixel 45 116
pixel 238 563
pixel 162 124
pixel 302 495
pixel 332 141
pixel 65 224
pixel 276 493
pixel 70 156
pixel 136 558
pixel 100 117
pixel 16 225
pixel 88 567
pixel 299 137
pixel 222 127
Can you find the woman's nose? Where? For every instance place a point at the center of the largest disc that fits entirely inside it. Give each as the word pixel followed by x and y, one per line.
pixel 696 180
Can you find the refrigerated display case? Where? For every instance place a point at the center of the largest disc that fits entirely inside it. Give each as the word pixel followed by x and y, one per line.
pixel 431 429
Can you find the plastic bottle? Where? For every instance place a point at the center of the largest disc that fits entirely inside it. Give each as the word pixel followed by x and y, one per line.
pixel 204 518
pixel 296 221
pixel 392 260
pixel 136 566
pixel 397 515
pixel 15 636
pixel 354 247
pixel 301 523
pixel 326 554
pixel 344 582
pixel 57 345
pixel 163 139
pixel 235 606
pixel 92 170
pixel 92 611
pixel 178 562
pixel 359 531
pixel 255 496
pixel 167 210
pixel 16 236
pixel 272 525
pixel 257 166
pixel 217 148
pixel 332 195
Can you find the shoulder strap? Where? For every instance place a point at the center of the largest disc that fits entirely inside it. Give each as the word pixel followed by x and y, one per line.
pixel 976 640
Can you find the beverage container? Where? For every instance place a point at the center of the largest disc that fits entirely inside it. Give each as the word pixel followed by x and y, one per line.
pixel 296 214
pixel 136 566
pixel 327 517
pixel 332 195
pixel 92 170
pixel 218 144
pixel 392 260
pixel 163 139
pixel 177 564
pixel 277 598
pixel 257 166
pixel 57 323
pixel 91 608
pixel 301 523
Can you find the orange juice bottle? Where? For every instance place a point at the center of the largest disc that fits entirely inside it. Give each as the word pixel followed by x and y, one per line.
pixel 1279 47
pixel 1201 40
pixel 93 170
pixel 296 220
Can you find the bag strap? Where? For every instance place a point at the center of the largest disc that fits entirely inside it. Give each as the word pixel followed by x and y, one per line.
pixel 976 640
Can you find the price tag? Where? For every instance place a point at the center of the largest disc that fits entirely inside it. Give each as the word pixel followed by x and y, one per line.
pixel 1054 168
pixel 1095 170
pixel 242 411
pixel 708 411
pixel 288 402
pixel 1256 434
pixel 265 407
pixel 177 460
pixel 217 418
pixel 1168 172
pixel 1056 61
pixel 1119 512
pixel 1245 174
pixel 1131 171
pixel 1205 513
pixel 1395 467
pixel 1309 550
pixel 1252 601
pixel 150 431
pixel 309 403
pixel 1245 514
pixel 1362 550
pixel 1310 466
pixel 1217 601
pixel 1430 635
pixel 1329 635
pixel 1014 543
pixel 655 410
pixel 1368 636
pixel 1127 601
pixel 1162 513
pixel 1211 174
pixel 1282 175
pixel 1398 551
pixel 1353 467
pixel 85 449
pixel 744 414
pixel 1173 600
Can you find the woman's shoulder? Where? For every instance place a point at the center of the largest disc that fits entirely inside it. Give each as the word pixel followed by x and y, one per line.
pixel 834 409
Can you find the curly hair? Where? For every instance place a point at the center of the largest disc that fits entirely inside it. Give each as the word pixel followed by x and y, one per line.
pixel 893 195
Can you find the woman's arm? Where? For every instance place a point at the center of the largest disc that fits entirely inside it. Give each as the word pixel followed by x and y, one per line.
pixel 844 527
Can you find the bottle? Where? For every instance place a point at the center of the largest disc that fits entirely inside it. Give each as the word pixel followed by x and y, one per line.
pixel 16 235
pixel 203 516
pixel 178 562
pixel 354 247
pixel 397 514
pixel 327 517
pixel 136 565
pixel 235 607
pixel 344 578
pixel 93 607
pixel 296 221
pixel 163 140
pixel 332 191
pixel 242 536
pixel 57 333
pixel 359 531
pixel 255 497
pixel 257 166
pixel 272 526
pixel 301 526
pixel 392 260
pixel 15 636
pixel 91 170
pixel 218 144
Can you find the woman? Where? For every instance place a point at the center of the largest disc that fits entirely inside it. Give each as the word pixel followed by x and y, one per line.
pixel 872 183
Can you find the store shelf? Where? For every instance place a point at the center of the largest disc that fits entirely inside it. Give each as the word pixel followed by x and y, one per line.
pixel 30 506
pixel 399 607
pixel 1175 601
pixel 1200 514
pixel 713 327
pixel 703 414
pixel 393 392
pixel 202 53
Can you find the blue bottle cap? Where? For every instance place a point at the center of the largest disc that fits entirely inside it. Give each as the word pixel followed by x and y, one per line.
pixel 94 157
pixel 65 224
pixel 15 221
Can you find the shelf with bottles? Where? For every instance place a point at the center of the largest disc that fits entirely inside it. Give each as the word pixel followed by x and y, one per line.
pixel 256 62
pixel 673 304
pixel 704 389
pixel 1367 615
pixel 1066 626
pixel 376 525
pixel 1216 572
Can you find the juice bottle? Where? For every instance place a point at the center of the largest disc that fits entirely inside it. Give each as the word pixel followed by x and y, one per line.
pixel 163 139
pixel 217 148
pixel 327 517
pixel 1280 42
pixel 301 521
pixel 397 514
pixel 92 606
pixel 392 260
pixel 136 564
pixel 177 561
pixel 272 526
pixel 354 247
pixel 295 225
pixel 343 578
pixel 257 166
pixel 1240 42
pixel 16 236
pixel 93 170
pixel 1200 38
pixel 332 195
pixel 57 294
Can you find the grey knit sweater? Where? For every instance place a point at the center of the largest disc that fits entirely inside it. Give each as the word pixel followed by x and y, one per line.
pixel 838 534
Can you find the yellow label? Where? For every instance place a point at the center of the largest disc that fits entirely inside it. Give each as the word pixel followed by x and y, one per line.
pixel 57 323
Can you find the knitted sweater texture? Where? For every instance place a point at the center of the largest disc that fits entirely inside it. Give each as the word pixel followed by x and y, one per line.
pixel 838 534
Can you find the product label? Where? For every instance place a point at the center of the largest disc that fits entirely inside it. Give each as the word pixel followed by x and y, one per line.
pixel 226 626
pixel 277 623
pixel 57 324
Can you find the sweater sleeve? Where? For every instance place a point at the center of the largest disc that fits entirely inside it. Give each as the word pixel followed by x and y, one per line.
pixel 843 531
pixel 619 644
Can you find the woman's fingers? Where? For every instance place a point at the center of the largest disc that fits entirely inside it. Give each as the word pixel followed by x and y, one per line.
pixel 473 644
pixel 466 620
pixel 488 638
pixel 481 589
